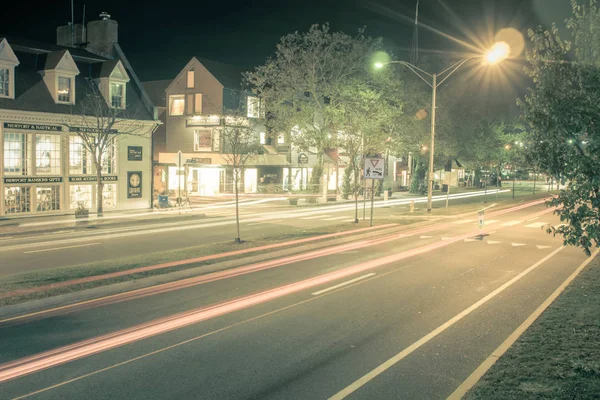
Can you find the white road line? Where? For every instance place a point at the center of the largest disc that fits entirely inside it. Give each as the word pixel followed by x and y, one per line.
pixel 343 284
pixel 532 219
pixel 61 248
pixel 425 237
pixel 335 218
pixel 472 240
pixel 511 223
pixel 491 360
pixel 493 242
pixel 518 244
pixel 492 221
pixel 316 217
pixel 446 238
pixel 543 247
pixel 6 237
pixel 536 225
pixel 354 386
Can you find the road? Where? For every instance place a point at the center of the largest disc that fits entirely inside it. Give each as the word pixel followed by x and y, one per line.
pixel 409 315
pixel 68 247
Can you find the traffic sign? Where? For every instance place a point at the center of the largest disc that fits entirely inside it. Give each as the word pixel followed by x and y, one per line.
pixel 374 168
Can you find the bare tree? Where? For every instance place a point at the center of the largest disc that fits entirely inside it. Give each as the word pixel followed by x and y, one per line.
pixel 239 146
pixel 100 126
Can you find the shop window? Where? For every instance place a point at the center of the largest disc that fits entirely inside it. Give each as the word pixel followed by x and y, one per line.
pixel 109 159
pixel 17 199
pixel 109 195
pixel 48 198
pixel 203 140
pixel 17 154
pixel 47 154
pixel 80 161
pixel 176 104
pixel 80 195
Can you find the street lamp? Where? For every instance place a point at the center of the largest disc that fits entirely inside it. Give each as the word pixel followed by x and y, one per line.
pixel 497 53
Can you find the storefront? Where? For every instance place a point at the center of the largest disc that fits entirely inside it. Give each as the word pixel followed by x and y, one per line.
pixel 45 169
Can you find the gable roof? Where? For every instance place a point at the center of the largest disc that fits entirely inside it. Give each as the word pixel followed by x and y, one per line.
pixel 229 75
pixel 7 55
pixel 156 90
pixel 62 60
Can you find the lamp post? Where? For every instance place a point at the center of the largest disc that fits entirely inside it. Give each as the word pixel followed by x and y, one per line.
pixel 498 52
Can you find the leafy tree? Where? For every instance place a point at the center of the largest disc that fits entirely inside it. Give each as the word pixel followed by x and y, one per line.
pixel 99 128
pixel 562 111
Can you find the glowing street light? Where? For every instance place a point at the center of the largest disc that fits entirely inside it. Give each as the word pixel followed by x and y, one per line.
pixel 496 54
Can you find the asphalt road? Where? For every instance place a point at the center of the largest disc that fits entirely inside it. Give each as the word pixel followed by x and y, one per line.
pixel 410 316
pixel 64 247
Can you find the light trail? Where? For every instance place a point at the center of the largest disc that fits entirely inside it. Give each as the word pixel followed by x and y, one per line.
pixel 65 354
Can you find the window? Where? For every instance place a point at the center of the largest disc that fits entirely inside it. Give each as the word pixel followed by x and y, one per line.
pixel 80 195
pixel 80 161
pixel 48 198
pixel 190 79
pixel 64 89
pixel 17 199
pixel 216 142
pixel 253 106
pixel 117 95
pixel 176 104
pixel 4 82
pixel 109 195
pixel 189 98
pixel 198 103
pixel 263 138
pixel 47 154
pixel 203 140
pixel 17 154
pixel 108 159
pixel 281 139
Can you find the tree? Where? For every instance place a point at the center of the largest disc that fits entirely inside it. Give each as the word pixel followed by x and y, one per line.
pixel 562 111
pixel 240 144
pixel 100 126
pixel 301 85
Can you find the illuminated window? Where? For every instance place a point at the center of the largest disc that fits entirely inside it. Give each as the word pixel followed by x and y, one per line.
pixel 48 198
pixel 80 161
pixel 190 79
pixel 109 195
pixel 109 159
pixel 17 199
pixel 189 99
pixel 203 140
pixel 17 154
pixel 4 82
pixel 80 195
pixel 281 139
pixel 253 106
pixel 198 103
pixel 47 154
pixel 64 89
pixel 117 95
pixel 263 138
pixel 176 104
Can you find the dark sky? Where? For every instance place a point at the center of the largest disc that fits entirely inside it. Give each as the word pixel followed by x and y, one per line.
pixel 159 40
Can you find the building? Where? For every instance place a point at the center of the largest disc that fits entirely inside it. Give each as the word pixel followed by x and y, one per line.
pixel 196 106
pixel 44 165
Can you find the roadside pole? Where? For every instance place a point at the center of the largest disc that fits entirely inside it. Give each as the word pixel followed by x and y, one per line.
pixel 179 164
pixel 514 187
pixel 534 180
pixel 372 200
pixel 448 189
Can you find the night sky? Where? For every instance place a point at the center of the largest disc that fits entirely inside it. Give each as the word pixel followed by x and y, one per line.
pixel 159 40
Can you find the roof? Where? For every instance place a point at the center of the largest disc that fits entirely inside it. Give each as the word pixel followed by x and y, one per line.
pixel 32 94
pixel 230 76
pixel 157 91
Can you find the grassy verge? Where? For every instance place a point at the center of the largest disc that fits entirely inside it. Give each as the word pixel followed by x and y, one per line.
pixel 558 357
pixel 52 276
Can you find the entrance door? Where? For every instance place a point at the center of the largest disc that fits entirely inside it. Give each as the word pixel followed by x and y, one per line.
pixel 195 179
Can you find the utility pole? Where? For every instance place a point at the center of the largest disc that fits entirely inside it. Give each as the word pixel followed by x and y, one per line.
pixel 432 148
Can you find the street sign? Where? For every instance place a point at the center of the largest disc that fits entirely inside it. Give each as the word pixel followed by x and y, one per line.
pixel 374 168
pixel 481 221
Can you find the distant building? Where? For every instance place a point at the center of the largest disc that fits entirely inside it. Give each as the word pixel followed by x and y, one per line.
pixel 44 167
pixel 195 106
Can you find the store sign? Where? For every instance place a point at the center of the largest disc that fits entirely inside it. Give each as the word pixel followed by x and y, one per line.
pixel 134 185
pixel 134 153
pixel 33 127
pixel 236 121
pixel 85 129
pixel 200 120
pixel 33 180
pixel 198 161
pixel 92 178
pixel 302 158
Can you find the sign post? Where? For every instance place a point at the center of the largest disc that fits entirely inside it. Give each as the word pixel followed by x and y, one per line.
pixel 481 219
pixel 179 165
pixel 373 170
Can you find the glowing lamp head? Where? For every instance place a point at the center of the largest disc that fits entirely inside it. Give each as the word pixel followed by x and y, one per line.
pixel 499 51
pixel 378 65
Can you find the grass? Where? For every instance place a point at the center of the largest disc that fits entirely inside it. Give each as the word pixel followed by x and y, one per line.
pixel 558 357
pixel 56 275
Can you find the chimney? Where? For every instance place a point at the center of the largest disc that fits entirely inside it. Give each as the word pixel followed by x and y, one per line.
pixel 64 35
pixel 102 35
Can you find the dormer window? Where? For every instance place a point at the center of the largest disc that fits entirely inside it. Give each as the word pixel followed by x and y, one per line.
pixel 117 94
pixel 4 82
pixel 64 89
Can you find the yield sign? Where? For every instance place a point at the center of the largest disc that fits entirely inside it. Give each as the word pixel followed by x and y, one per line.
pixel 374 168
